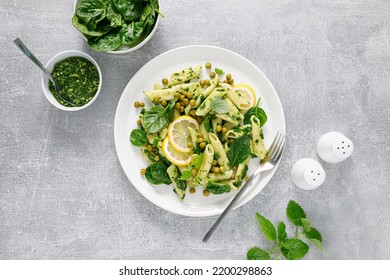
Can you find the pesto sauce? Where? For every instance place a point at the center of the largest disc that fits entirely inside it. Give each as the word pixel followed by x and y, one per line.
pixel 78 78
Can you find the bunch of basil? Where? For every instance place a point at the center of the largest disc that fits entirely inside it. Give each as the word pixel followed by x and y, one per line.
pixel 109 24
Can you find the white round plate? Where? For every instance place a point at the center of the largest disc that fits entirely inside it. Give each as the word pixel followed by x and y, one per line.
pixel 243 71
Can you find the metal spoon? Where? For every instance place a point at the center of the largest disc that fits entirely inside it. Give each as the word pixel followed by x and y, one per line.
pixel 57 86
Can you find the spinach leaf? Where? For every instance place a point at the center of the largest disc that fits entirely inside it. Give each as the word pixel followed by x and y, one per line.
pixel 186 174
pixel 129 9
pixel 181 184
pixel 131 34
pixel 157 174
pixel 239 150
pixel 91 8
pixel 207 123
pixel 148 18
pixel 258 112
pixel 107 42
pixel 157 118
pixel 113 16
pixel 138 137
pixel 217 188
pixel 87 26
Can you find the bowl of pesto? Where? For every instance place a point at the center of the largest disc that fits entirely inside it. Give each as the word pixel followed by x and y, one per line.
pixel 80 79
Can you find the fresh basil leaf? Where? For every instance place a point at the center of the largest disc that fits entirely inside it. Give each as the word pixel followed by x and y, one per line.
pixel 295 213
pixel 257 254
pixel 282 234
pixel 313 233
pixel 131 34
pixel 294 249
pixel 267 227
pixel 217 188
pixel 218 105
pixel 107 42
pixel 129 9
pixel 138 137
pixel 157 173
pixel 239 150
pixel 218 71
pixel 185 175
pixel 258 112
pixel 91 8
pixel 157 118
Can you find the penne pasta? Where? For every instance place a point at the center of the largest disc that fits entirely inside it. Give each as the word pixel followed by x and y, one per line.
pixel 185 75
pixel 257 142
pixel 239 131
pixel 204 169
pixel 236 97
pixel 220 177
pixel 179 187
pixel 242 169
pixel 207 91
pixel 219 152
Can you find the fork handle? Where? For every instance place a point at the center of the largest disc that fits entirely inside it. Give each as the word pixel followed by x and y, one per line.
pixel 228 208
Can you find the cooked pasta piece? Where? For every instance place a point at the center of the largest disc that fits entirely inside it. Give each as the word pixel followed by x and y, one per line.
pixel 185 75
pixel 233 115
pixel 239 131
pixel 207 91
pixel 236 97
pixel 242 169
pixel 179 186
pixel 204 169
pixel 203 130
pixel 214 123
pixel 257 142
pixel 219 152
pixel 169 93
pixel 219 177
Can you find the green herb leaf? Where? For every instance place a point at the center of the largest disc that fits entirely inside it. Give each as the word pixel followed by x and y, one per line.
pixel 295 213
pixel 306 224
pixel 258 112
pixel 138 137
pixel 239 150
pixel 197 161
pixel 282 234
pixel 157 118
pixel 267 227
pixel 257 254
pixel 115 18
pixel 313 233
pixel 131 34
pixel 318 244
pixel 207 123
pixel 130 10
pixel 90 8
pixel 156 141
pixel 157 174
pixel 218 71
pixel 217 188
pixel 107 42
pixel 294 249
pixel 185 175
pixel 218 105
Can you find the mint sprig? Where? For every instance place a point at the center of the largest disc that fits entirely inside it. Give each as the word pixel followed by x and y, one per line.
pixel 292 248
pixel 218 105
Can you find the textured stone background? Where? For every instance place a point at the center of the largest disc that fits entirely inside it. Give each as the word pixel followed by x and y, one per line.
pixel 63 194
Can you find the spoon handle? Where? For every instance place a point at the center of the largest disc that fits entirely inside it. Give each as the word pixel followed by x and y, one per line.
pixel 28 53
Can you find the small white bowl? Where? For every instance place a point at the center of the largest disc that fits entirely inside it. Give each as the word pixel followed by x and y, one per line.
pixel 126 49
pixel 50 65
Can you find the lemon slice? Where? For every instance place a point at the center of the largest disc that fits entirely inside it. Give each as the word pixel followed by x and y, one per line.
pixel 247 93
pixel 179 134
pixel 173 155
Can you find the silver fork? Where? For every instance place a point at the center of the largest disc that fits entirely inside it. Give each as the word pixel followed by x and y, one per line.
pixel 274 153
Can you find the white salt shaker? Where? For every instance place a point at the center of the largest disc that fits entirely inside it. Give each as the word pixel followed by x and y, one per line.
pixel 334 147
pixel 307 174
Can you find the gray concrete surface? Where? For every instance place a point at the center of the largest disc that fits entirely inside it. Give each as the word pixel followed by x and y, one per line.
pixel 63 194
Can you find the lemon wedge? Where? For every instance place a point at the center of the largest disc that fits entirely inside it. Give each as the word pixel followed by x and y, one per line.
pixel 247 93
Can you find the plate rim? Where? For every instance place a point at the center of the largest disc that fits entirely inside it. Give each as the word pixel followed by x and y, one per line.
pixel 122 98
